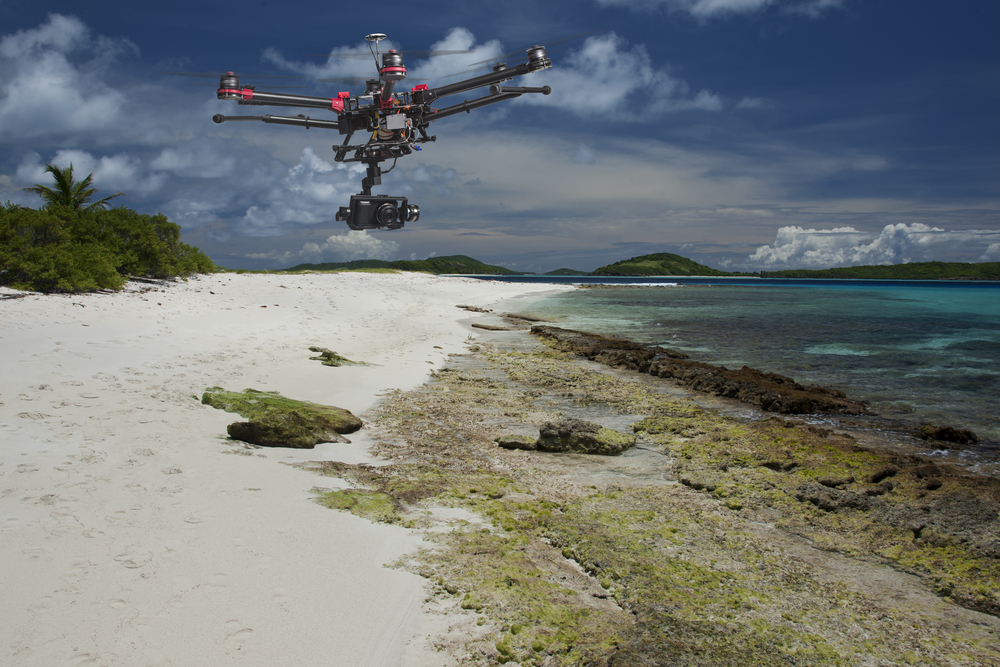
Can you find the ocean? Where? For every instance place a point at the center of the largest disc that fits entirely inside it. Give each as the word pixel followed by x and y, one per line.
pixel 914 351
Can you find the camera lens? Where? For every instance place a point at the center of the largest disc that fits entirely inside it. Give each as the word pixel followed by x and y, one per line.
pixel 387 214
pixel 412 213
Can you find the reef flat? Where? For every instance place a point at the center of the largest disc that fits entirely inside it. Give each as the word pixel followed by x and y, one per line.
pixel 717 540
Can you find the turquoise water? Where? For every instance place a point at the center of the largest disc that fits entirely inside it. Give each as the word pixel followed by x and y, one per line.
pixel 915 352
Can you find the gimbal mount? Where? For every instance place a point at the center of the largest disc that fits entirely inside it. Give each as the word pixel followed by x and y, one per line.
pixel 398 123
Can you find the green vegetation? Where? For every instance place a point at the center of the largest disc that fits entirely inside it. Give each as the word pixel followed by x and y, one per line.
pixel 566 272
pixel 68 246
pixel 912 271
pixel 67 192
pixel 659 264
pixel 451 264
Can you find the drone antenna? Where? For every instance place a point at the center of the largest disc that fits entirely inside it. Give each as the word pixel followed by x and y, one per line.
pixel 375 38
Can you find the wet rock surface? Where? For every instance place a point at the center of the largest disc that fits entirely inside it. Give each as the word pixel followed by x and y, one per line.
pixel 277 421
pixel 767 391
pixel 935 433
pixel 330 358
pixel 577 435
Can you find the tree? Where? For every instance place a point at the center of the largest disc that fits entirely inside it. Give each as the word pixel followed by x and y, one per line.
pixel 69 193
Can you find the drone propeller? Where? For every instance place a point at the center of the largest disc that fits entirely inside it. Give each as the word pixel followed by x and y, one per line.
pixel 486 64
pixel 520 51
pixel 215 75
pixel 425 53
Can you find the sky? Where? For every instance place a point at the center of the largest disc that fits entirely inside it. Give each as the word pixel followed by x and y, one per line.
pixel 747 135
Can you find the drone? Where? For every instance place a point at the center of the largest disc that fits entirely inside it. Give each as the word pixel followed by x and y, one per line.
pixel 396 121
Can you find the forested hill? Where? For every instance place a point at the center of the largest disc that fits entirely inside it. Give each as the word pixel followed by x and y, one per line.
pixel 912 271
pixel 451 264
pixel 659 264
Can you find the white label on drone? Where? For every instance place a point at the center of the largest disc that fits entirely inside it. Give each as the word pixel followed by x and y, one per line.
pixel 395 121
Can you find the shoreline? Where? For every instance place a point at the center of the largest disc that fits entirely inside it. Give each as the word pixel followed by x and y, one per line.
pixel 137 537
pixel 716 540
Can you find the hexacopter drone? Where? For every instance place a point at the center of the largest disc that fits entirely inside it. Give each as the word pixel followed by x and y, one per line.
pixel 397 122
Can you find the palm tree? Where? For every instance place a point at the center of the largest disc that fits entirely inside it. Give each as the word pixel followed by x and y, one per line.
pixel 67 192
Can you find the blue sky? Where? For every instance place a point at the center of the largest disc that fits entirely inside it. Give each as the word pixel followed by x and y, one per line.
pixel 745 134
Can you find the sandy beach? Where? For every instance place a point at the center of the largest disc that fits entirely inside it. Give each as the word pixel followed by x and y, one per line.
pixel 131 533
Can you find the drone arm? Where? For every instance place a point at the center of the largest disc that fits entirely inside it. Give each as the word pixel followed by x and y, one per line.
pixel 537 60
pixel 297 121
pixel 468 106
pixel 249 96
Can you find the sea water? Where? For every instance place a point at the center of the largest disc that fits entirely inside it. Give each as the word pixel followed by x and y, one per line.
pixel 915 352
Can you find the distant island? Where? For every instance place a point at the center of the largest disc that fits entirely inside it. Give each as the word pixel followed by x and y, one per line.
pixel 912 271
pixel 668 264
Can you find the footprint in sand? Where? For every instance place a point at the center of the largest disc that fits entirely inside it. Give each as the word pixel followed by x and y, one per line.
pixel 43 603
pixel 236 632
pixel 72 383
pixel 134 559
pixel 219 582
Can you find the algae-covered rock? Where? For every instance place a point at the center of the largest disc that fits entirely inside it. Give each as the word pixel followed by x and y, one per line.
pixel 959 436
pixel 577 435
pixel 517 442
pixel 276 421
pixel 330 358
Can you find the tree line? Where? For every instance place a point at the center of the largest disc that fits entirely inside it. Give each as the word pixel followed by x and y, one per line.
pixel 72 244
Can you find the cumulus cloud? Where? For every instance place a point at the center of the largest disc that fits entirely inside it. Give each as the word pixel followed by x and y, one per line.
pixel 356 61
pixel 309 193
pixel 584 155
pixel 52 80
pixel 708 9
pixel 346 247
pixel 795 247
pixel 110 172
pixel 754 103
pixel 619 80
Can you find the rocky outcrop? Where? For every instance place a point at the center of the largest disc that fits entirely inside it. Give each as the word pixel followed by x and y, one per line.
pixel 935 433
pixel 577 435
pixel 276 421
pixel 767 391
pixel 517 442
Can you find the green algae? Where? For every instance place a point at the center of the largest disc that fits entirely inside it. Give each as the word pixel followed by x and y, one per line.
pixel 590 574
pixel 331 358
pixel 276 421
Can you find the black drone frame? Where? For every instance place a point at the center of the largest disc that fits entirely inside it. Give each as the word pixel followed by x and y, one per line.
pixel 398 123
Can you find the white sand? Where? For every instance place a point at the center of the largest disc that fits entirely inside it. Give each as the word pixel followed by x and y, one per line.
pixel 129 536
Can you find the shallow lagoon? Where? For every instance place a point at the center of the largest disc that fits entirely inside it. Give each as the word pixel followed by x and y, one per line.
pixel 926 351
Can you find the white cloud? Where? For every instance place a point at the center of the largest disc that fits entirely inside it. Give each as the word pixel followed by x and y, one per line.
pixel 111 173
pixel 707 9
pixel 992 253
pixel 584 155
pixel 44 91
pixel 754 103
pixel 617 80
pixel 310 193
pixel 345 247
pixel 795 247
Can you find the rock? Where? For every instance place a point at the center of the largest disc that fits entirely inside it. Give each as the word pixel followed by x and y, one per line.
pixel 959 436
pixel 276 421
pixel 830 500
pixel 882 473
pixel 577 435
pixel 768 391
pixel 488 327
pixel 834 482
pixel 330 358
pixel 517 442
pixel 283 430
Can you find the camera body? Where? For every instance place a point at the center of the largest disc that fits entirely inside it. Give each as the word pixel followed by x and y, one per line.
pixel 378 212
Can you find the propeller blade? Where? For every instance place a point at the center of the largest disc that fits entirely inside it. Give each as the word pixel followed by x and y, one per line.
pixel 416 53
pixel 207 75
pixel 544 43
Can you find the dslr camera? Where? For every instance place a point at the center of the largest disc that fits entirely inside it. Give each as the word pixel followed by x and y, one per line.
pixel 378 212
